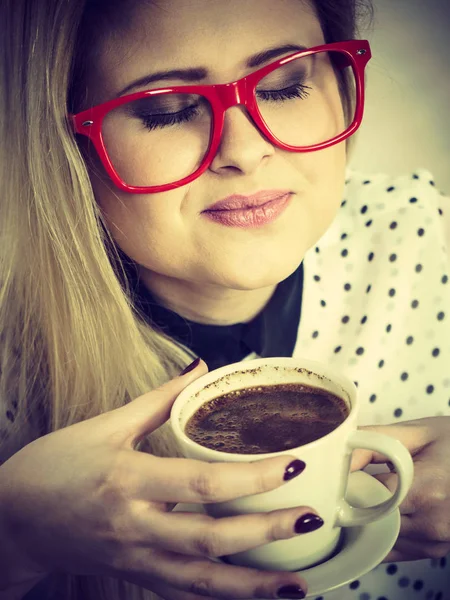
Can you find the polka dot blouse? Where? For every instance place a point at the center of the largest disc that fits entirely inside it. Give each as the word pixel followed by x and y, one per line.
pixel 376 305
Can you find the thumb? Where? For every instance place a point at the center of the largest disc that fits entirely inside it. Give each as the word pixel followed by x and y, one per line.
pixel 149 411
pixel 414 435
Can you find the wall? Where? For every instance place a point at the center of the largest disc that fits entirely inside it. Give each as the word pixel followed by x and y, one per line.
pixel 407 119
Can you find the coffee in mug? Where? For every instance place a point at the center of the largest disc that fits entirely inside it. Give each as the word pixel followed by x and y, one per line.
pixel 263 419
pixel 322 485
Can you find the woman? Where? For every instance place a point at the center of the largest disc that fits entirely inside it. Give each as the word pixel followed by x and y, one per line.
pixel 109 291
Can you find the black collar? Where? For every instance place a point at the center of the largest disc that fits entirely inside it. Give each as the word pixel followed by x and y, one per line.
pixel 273 332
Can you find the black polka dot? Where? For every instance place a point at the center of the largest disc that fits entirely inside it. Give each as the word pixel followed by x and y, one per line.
pixel 338 349
pixel 356 383
pixel 441 316
pixel 10 416
pixel 316 277
pixel 414 304
pixel 438 596
pixel 390 189
pixel 317 250
pixel 419 268
pixel 364 209
pixel 364 320
pixel 344 236
pixel 371 257
pixel 415 176
pixel 367 182
pixel 430 389
pixel 392 292
pixel 344 253
pixel 398 412
pixel 347 287
pixel 373 398
pixel 444 280
pixel 440 211
pixel 382 598
pixel 369 223
pixel 389 328
pixel 360 351
pixel 418 585
pixel 404 376
pixel 315 334
pixel 413 200
pixel 432 183
pixel 381 364
pixel 443 562
pixel 344 202
pixel 14 404
pixel 393 257
pixel 436 352
pixel 369 287
pixel 354 585
pixel 421 232
pixel 403 582
pixel 323 303
pixel 391 569
pixel 345 319
pixel 409 340
pixel 393 225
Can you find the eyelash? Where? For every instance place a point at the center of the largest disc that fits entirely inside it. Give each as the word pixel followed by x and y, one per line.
pixel 295 91
pixel 153 122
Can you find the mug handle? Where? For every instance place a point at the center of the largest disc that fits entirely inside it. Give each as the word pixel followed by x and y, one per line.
pixel 349 516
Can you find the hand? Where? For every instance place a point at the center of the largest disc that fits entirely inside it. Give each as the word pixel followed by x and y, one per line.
pixel 425 521
pixel 82 500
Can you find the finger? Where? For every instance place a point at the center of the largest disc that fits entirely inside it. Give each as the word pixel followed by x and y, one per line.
pixel 189 480
pixel 149 411
pixel 414 435
pixel 416 550
pixel 208 578
pixel 396 556
pixel 390 481
pixel 201 535
pixel 169 593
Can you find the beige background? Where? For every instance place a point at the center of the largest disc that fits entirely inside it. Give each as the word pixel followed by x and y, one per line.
pixel 406 123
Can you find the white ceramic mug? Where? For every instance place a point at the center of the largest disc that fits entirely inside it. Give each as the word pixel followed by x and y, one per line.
pixel 321 486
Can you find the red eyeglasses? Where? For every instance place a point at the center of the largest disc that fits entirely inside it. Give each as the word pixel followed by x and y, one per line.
pixel 161 139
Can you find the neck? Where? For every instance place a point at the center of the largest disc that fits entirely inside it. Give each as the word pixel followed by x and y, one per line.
pixel 206 303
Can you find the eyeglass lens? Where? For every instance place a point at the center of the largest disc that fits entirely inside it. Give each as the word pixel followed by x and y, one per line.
pixel 164 138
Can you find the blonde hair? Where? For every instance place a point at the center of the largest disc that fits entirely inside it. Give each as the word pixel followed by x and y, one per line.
pixel 73 343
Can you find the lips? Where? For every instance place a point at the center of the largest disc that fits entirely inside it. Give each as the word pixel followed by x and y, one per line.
pixel 247 212
pixel 239 201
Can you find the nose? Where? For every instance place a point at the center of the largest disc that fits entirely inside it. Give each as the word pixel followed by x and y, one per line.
pixel 242 146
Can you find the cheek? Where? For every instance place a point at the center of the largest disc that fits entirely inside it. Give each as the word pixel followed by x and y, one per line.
pixel 143 226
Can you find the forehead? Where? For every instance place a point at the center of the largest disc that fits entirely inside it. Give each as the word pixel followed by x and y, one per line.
pixel 218 35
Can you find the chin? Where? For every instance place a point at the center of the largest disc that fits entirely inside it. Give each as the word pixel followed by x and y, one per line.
pixel 254 277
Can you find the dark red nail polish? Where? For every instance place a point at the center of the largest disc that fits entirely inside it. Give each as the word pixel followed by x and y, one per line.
pixel 291 591
pixel 295 468
pixel 307 523
pixel 190 367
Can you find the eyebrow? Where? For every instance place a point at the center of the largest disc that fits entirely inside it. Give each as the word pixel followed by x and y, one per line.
pixel 196 74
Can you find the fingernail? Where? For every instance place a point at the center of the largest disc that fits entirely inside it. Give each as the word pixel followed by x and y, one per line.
pixel 291 591
pixel 190 367
pixel 307 523
pixel 292 470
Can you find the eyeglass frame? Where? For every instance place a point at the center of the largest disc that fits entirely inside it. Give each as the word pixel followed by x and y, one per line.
pixel 221 97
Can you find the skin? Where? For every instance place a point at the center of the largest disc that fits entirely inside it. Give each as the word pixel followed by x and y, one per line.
pixel 204 271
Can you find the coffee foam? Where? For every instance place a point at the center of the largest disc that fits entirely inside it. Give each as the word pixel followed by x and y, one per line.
pixel 266 418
